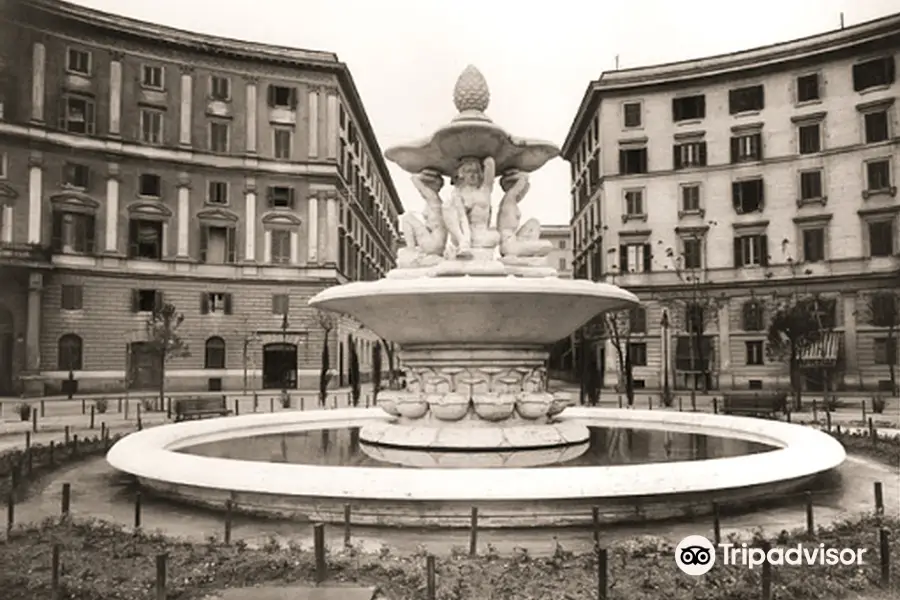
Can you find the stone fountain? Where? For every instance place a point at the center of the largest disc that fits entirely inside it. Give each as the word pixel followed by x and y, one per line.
pixel 474 303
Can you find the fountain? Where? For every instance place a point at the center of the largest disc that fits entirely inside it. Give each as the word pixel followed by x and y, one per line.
pixel 473 307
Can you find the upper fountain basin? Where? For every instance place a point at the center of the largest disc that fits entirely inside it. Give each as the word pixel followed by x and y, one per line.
pixel 477 310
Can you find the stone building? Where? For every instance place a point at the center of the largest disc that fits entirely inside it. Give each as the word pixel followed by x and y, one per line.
pixel 767 170
pixel 141 164
pixel 561 255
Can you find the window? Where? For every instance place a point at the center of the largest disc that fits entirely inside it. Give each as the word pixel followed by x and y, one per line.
pixel 280 304
pixel 886 351
pixel 72 232
pixel 746 99
pixel 688 108
pixel 811 185
pixel 283 142
pixel 635 258
pixel 747 196
pixel 691 359
pixel 689 154
pixel 217 245
pixel 281 246
pixel 281 197
pixel 72 297
pixel 215 303
pixel 217 192
pixel 70 353
pixel 751 251
pixel 632 161
pixel 77 115
pixel 218 136
pixel 78 61
pixel 631 113
pixel 876 126
pixel 753 316
pixel 150 185
pixel 694 317
pixel 76 176
pixel 881 238
pixel 146 300
pixel 873 73
pixel 562 244
pixel 151 126
pixel 145 239
pixel 219 88
pixel 562 264
pixel 808 88
pixel 878 175
pixel 746 147
pixel 813 244
pixel 637 352
pixel 214 356
pixel 755 353
pixel 692 252
pixel 282 97
pixel 885 309
pixel 634 203
pixel 825 310
pixel 690 198
pixel 152 77
pixel 637 320
pixel 4 165
pixel 810 138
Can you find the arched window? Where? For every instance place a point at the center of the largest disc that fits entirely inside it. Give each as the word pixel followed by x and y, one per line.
pixel 215 353
pixel 69 357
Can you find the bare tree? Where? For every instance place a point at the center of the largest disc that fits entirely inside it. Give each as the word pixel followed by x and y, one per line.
pixel 248 337
pixel 882 309
pixel 617 326
pixel 165 342
pixel 327 322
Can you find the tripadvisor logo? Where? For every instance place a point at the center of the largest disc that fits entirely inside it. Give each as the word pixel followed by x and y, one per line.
pixel 695 555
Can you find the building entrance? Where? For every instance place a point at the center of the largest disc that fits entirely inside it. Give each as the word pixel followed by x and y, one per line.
pixel 279 366
pixel 6 352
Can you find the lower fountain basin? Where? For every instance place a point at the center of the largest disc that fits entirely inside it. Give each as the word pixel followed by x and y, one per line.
pixel 513 497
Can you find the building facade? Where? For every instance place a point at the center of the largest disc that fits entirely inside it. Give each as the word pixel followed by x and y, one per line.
pixel 141 165
pixel 723 180
pixel 561 255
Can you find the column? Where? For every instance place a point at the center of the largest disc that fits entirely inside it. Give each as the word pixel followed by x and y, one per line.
pixel 184 215
pixel 724 343
pixel 313 122
pixel 38 76
pixel 33 323
pixel 115 95
pixel 267 247
pixel 35 197
pixel 186 97
pixel 252 113
pixel 112 209
pixel 250 220
pixel 312 231
pixel 295 246
pixel 6 233
pixel 331 124
pixel 331 221
pixel 851 339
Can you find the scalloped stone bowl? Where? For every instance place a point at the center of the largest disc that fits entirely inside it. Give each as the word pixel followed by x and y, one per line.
pixel 494 407
pixel 450 406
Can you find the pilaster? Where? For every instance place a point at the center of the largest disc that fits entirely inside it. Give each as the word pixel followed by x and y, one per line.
pixel 35 197
pixel 115 95
pixel 724 342
pixel 38 81
pixel 331 125
pixel 33 323
pixel 250 220
pixel 313 122
pixel 6 231
pixel 252 114
pixel 187 86
pixel 112 209
pixel 184 215
pixel 312 230
pixel 332 222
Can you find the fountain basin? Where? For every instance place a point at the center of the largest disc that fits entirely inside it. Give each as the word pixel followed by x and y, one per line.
pixel 513 497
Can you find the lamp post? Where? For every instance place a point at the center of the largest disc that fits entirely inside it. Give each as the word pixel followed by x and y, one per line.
pixel 664 323
pixel 285 371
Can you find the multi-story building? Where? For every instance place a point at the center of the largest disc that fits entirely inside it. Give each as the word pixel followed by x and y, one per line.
pixel 561 255
pixel 745 174
pixel 142 165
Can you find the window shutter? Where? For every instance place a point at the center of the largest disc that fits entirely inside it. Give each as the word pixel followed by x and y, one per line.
pixel 294 98
pixel 643 160
pixel 623 259
pixel 56 233
pixel 271 93
pixel 291 198
pixel 270 197
pixel 132 238
pixel 158 300
pixel 736 196
pixel 701 109
pixel 89 117
pixel 228 304
pixel 135 300
pixel 701 154
pixel 738 262
pixel 761 191
pixel 90 233
pixel 204 242
pixel 204 303
pixel 763 247
pixel 735 149
pixel 648 258
pixel 622 161
pixel 890 69
pixel 676 114
pixel 230 245
pixel 676 157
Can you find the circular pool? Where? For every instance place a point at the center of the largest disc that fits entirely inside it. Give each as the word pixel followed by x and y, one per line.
pixel 558 495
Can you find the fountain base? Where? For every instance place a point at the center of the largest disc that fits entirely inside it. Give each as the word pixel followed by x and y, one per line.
pixel 487 438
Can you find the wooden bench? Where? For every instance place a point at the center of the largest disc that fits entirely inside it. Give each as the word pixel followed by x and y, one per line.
pixel 197 407
pixel 755 404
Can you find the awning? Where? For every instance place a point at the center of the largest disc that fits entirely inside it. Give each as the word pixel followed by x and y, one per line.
pixel 823 352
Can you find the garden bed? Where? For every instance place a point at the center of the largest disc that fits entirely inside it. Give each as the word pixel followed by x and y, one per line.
pixel 884 449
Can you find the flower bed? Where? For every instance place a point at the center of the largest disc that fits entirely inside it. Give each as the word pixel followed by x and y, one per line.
pixel 884 449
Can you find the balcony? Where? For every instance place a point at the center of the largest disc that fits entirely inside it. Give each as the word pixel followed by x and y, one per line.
pixel 24 255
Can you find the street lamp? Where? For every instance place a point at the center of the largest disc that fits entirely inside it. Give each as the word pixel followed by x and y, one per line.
pixel 285 372
pixel 665 331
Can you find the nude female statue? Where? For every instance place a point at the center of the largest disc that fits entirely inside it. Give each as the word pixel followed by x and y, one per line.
pixel 524 241
pixel 467 213
pixel 425 237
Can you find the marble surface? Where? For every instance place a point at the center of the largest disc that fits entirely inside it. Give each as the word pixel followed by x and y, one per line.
pixel 543 435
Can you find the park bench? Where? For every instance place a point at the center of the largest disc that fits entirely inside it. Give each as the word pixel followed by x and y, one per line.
pixel 197 407
pixel 753 403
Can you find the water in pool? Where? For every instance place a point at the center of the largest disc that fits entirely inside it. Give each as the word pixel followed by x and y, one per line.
pixel 606 447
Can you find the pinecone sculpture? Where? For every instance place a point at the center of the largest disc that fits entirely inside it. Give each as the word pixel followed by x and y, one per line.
pixel 471 92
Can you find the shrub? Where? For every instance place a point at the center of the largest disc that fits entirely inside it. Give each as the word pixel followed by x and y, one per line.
pixel 24 410
pixel 101 404
pixel 878 404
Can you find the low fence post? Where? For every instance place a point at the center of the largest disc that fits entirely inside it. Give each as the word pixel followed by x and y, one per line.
pixel 66 499
pixel 54 572
pixel 93 411
pixel 50 453
pixel 873 434
pixel 237 407
pixel 862 407
pixel 34 421
pixel 828 421
pixel 229 516
pixel 810 518
pixel 161 577
pixel 319 549
pixel 595 524
pixel 430 577
pixel 715 405
pixel 137 509
pixel 717 525
pixel 815 412
pixel 879 499
pixel 473 532
pixel 347 525
pixel 766 573
pixel 602 574
pixel 10 511
pixel 884 543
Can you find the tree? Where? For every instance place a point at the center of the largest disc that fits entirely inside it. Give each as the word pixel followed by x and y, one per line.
pixel 165 341
pixel 248 338
pixel 391 352
pixel 326 323
pixel 376 370
pixel 882 309
pixel 618 332
pixel 353 372
pixel 794 325
pixel 589 384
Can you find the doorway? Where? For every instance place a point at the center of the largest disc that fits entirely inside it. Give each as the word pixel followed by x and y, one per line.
pixel 6 352
pixel 280 366
pixel 143 367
